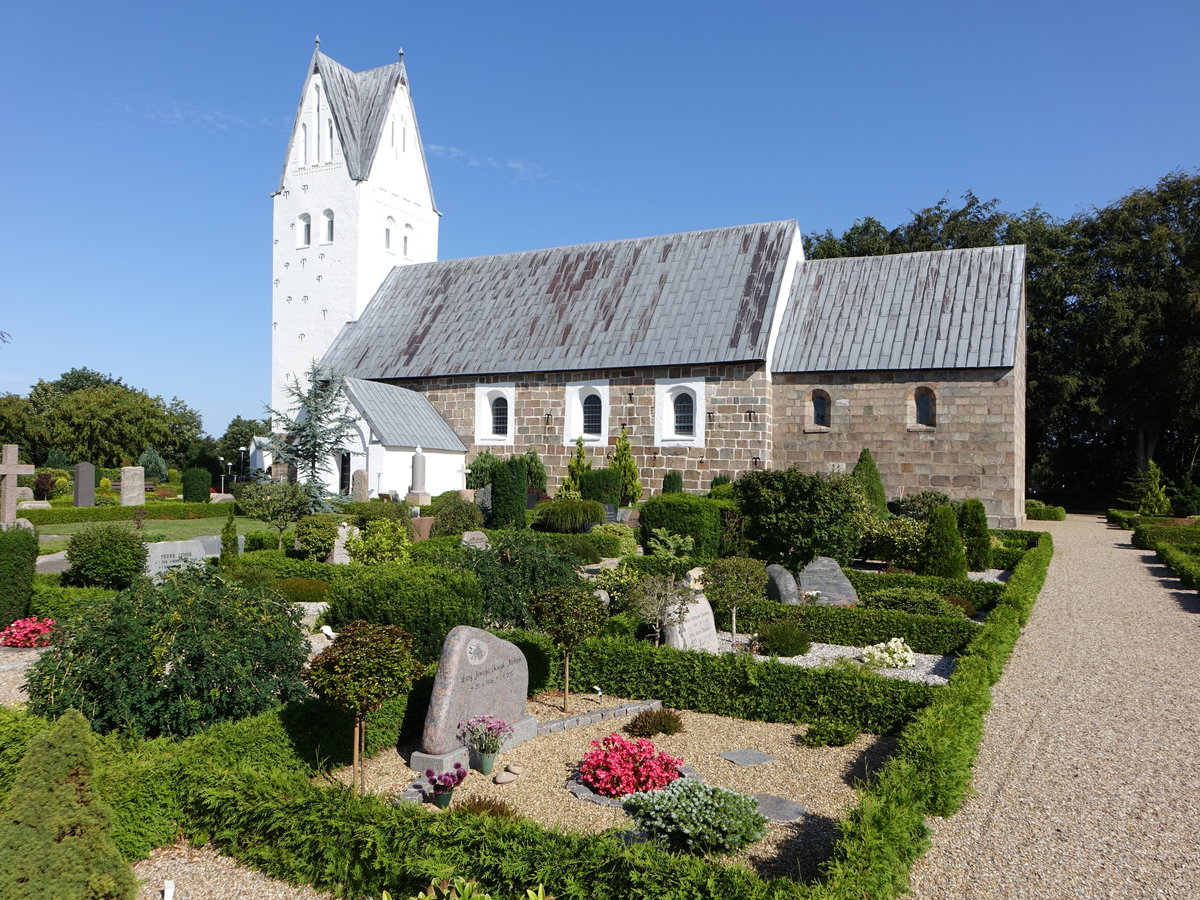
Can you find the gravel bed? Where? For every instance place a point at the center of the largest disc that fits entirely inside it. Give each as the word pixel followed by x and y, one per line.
pixel 928 667
pixel 201 873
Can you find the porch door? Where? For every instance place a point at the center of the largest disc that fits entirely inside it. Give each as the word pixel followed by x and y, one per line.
pixel 344 474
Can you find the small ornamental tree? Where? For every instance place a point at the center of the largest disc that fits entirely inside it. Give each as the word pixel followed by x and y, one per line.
pixel 659 600
pixel 626 468
pixel 576 466
pixel 735 581
pixel 229 540
pixel 943 554
pixel 364 666
pixel 154 465
pixel 196 484
pixel 570 615
pixel 975 535
pixel 1154 501
pixel 55 833
pixel 866 473
pixel 536 470
pixel 510 487
pixel 382 541
pixel 56 459
pixel 479 473
pixel 278 505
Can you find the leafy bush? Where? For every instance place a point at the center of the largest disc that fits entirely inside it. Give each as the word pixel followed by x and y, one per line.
pixel 18 563
pixel 615 767
pixel 783 639
pixel 921 505
pixel 316 536
pixel 684 514
pixel 174 658
pixel 361 515
pixel 510 487
pixel 896 541
pixel 651 722
pixel 983 594
pixel 918 601
pixel 976 537
pixel 601 485
pixel 515 568
pixel 672 482
pixel 56 459
pixel 55 833
pixel 793 517
pixel 829 733
pixel 54 600
pixel 303 590
pixel 719 481
pixel 1040 512
pixel 114 513
pixel 106 556
pixel 1185 499
pixel 536 471
pixel 568 516
pixel 693 817
pixel 866 473
pixel 480 472
pixel 454 516
pixel 153 464
pixel 425 601
pixel 196 484
pixel 942 553
pixel 626 543
pixel 381 542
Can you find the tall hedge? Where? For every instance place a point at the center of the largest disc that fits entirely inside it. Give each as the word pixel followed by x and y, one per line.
pixel 792 517
pixel 18 562
pixel 601 485
pixel 976 536
pixel 196 484
pixel 510 487
pixel 684 514
pixel 672 482
pixel 866 473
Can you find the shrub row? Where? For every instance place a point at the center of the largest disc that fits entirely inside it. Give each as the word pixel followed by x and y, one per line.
pixel 1153 537
pixel 1184 562
pixel 1040 512
pixel 982 594
pixel 18 563
pixel 1122 517
pixel 62 515
pixel 53 600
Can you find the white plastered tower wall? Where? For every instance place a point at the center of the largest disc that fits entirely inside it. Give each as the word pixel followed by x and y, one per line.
pixel 340 224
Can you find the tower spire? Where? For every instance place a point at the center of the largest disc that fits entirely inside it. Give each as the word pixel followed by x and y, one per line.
pixel 317 41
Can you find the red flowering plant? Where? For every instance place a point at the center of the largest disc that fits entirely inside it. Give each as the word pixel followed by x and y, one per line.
pixel 616 767
pixel 31 632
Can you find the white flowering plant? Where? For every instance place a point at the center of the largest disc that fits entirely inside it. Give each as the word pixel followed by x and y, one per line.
pixel 893 654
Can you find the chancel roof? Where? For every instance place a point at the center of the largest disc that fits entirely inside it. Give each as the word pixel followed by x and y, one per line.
pixel 699 297
pixel 399 417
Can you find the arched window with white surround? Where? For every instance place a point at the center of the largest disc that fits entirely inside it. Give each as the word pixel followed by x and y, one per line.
pixel 924 408
pixel 495 405
pixel 820 409
pixel 304 230
pixel 593 411
pixel 327 218
pixel 679 413
pixel 586 410
pixel 684 408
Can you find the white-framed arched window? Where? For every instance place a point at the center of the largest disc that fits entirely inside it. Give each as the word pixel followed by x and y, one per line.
pixel 327 225
pixel 587 410
pixel 679 412
pixel 304 230
pixel 495 411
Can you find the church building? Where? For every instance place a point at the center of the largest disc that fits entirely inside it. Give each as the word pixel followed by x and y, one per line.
pixel 721 351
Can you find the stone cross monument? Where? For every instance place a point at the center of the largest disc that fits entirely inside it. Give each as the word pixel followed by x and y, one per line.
pixel 10 468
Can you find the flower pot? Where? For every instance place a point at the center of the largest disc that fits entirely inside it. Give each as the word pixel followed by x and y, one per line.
pixel 486 761
pixel 442 800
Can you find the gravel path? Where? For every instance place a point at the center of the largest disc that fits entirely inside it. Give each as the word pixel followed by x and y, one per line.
pixel 1088 778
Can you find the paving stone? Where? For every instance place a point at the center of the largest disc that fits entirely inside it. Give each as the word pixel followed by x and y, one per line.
pixel 747 757
pixel 780 809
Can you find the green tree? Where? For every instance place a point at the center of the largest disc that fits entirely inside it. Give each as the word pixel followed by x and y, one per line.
pixel 576 466
pixel 536 470
pixel 479 474
pixel 732 582
pixel 1154 501
pixel 318 429
pixel 276 504
pixel 976 536
pixel 153 464
pixel 364 666
pixel 238 434
pixel 869 479
pixel 943 554
pixel 792 517
pixel 55 833
pixel 570 615
pixel 106 425
pixel 56 459
pixel 623 465
pixel 229 540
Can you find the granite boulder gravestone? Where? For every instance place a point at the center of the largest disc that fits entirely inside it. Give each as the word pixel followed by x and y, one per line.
pixel 781 585
pixel 85 484
pixel 825 575
pixel 133 486
pixel 697 631
pixel 358 486
pixel 24 493
pixel 478 674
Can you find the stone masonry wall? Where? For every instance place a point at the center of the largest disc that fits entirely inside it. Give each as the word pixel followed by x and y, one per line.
pixel 975 449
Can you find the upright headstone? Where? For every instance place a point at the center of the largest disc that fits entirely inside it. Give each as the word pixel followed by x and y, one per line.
pixel 417 495
pixel 697 631
pixel 476 540
pixel 85 484
pixel 10 468
pixel 163 555
pixel 358 486
pixel 133 486
pixel 24 493
pixel 338 554
pixel 478 674
pixel 781 585
pixel 825 575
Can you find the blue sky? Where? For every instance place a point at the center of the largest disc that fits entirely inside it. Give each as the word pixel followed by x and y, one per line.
pixel 142 141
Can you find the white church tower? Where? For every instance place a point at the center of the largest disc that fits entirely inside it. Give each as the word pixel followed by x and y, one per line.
pixel 353 201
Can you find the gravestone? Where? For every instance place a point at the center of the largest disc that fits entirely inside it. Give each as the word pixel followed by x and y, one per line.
pixel 24 493
pixel 478 674
pixel 417 495
pixel 34 504
pixel 163 555
pixel 476 540
pixel 825 575
pixel 212 544
pixel 358 486
pixel 697 631
pixel 85 484
pixel 694 578
pixel 338 554
pixel 629 516
pixel 610 513
pixel 10 468
pixel 483 496
pixel 781 585
pixel 133 486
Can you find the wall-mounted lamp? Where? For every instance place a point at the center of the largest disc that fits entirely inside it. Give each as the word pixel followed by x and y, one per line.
pixel 756 462
pixel 749 415
pixel 549 419
pixel 711 415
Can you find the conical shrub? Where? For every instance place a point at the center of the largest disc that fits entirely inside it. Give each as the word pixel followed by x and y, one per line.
pixel 975 535
pixel 943 554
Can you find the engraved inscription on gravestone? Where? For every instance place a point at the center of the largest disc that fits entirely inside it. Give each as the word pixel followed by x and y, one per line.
pixel 163 555
pixel 697 631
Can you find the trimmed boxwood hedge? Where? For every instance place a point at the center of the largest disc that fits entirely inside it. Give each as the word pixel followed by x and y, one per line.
pixel 1184 562
pixel 62 515
pixel 18 563
pixel 982 594
pixel 684 514
pixel 1152 537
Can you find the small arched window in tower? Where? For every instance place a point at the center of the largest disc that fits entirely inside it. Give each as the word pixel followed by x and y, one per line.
pixel 407 234
pixel 685 413
pixel 820 409
pixel 925 408
pixel 304 232
pixel 328 217
pixel 500 416
pixel 387 233
pixel 329 123
pixel 593 408
pixel 303 144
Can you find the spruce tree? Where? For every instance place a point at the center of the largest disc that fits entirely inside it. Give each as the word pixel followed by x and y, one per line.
pixel 943 553
pixel 56 459
pixel 976 536
pixel 623 464
pixel 866 473
pixel 229 541
pixel 55 839
pixel 154 465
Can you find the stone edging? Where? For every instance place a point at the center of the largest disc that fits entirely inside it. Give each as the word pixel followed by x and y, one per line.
pixel 582 719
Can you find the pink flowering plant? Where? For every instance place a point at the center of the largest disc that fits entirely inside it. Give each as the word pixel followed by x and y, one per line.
pixel 616 767
pixel 444 782
pixel 31 632
pixel 484 734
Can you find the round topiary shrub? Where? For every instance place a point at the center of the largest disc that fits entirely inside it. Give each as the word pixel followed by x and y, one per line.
pixel 105 555
pixel 567 516
pixel 454 516
pixel 693 817
pixel 196 484
pixel 316 536
pixel 910 600
pixel 829 733
pixel 783 639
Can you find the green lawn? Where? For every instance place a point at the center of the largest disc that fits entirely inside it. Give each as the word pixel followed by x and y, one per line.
pixel 170 529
